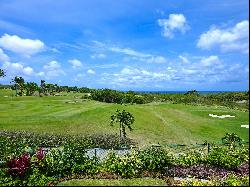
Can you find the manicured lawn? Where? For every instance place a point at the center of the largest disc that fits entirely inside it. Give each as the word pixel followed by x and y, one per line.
pixel 163 123
pixel 113 182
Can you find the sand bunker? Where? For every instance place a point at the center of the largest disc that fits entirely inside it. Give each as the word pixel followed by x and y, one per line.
pixel 246 126
pixel 222 116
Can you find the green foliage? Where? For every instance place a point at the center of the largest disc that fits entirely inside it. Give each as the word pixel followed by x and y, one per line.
pixel 225 157
pixel 113 96
pixel 191 158
pixel 125 119
pixel 38 179
pixel 235 180
pixel 155 159
pixel 126 166
pixel 232 140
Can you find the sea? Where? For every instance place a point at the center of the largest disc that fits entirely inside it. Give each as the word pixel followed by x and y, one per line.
pixel 182 92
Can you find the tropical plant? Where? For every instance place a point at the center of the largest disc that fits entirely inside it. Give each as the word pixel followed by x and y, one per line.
pixel 125 119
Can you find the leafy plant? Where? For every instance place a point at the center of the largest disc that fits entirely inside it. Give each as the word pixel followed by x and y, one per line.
pixel 191 158
pixel 231 140
pixel 126 166
pixel 225 158
pixel 125 119
pixel 155 159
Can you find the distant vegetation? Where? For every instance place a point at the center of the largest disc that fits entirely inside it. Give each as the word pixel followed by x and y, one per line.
pixel 237 100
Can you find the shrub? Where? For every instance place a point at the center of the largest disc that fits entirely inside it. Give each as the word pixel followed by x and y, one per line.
pixel 225 158
pixel 155 159
pixel 191 158
pixel 126 166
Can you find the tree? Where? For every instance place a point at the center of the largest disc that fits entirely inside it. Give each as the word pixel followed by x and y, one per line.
pixel 125 119
pixel 19 84
pixel 42 85
pixel 2 73
pixel 31 87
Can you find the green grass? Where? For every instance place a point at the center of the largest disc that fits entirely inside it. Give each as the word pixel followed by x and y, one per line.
pixel 154 122
pixel 113 182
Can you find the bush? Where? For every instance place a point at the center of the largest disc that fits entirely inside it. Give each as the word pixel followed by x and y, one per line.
pixel 225 158
pixel 191 158
pixel 155 159
pixel 126 166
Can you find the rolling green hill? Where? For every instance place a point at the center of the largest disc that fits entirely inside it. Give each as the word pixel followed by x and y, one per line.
pixel 154 122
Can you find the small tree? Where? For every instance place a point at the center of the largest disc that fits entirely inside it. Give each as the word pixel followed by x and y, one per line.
pixel 125 119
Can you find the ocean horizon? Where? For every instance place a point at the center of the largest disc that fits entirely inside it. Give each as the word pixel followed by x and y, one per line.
pixel 181 92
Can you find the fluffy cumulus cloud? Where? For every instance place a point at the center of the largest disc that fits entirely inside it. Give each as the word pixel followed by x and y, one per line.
pixel 204 70
pixel 90 71
pixel 52 69
pixel 175 22
pixel 234 38
pixel 15 69
pixel 3 56
pixel 75 63
pixel 25 47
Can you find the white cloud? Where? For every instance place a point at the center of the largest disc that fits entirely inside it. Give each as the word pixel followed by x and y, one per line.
pixel 98 56
pixel 3 56
pixel 26 47
pixel 184 59
pixel 129 52
pixel 210 61
pixel 14 69
pixel 156 60
pixel 52 65
pixel 203 70
pixel 75 63
pixel 53 69
pixel 135 55
pixel 90 71
pixel 28 71
pixel 175 22
pixel 235 38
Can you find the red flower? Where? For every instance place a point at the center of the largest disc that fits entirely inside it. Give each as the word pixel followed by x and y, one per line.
pixel 40 154
pixel 19 166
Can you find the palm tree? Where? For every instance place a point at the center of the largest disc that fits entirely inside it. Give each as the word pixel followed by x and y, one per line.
pixel 125 119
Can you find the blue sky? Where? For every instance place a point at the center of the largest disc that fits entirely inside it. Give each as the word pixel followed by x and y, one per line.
pixel 127 44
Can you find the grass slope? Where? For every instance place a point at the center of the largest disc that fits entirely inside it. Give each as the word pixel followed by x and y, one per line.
pixel 163 123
